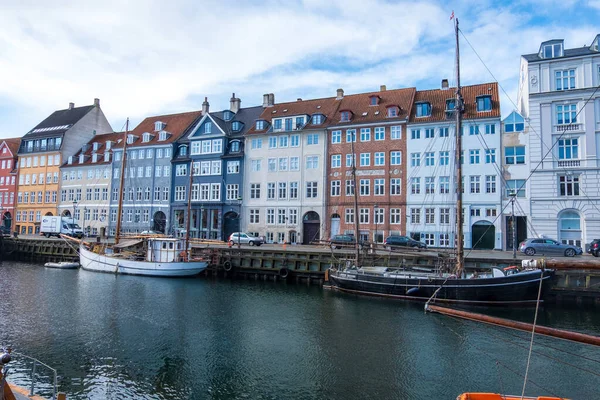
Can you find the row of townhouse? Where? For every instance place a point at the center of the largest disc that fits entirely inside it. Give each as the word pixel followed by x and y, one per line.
pixel 284 170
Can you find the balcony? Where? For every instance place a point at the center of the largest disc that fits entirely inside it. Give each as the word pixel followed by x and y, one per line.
pixel 569 163
pixel 568 127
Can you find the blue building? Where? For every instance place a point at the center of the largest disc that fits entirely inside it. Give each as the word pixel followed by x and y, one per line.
pixel 213 150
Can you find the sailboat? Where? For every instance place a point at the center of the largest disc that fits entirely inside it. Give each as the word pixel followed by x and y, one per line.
pixel 497 287
pixel 141 255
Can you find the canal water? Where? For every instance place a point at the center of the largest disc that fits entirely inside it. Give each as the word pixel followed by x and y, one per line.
pixel 124 337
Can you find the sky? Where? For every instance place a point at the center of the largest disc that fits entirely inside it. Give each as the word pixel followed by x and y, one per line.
pixel 150 57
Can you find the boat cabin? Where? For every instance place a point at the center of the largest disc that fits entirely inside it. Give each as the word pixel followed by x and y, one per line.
pixel 165 249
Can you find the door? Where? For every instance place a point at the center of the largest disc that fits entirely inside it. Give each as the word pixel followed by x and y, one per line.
pixel 231 224
pixel 160 222
pixel 311 227
pixel 483 235
pixel 335 225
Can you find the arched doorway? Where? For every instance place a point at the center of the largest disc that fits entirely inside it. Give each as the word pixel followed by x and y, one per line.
pixel 311 227
pixel 160 222
pixel 231 223
pixel 66 214
pixel 483 235
pixel 569 228
pixel 335 225
pixel 48 214
pixel 293 235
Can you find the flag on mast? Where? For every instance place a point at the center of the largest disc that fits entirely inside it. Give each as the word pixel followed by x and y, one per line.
pixel 452 15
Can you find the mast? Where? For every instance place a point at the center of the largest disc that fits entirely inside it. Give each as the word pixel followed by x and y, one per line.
pixel 189 212
pixel 457 159
pixel 122 182
pixel 356 223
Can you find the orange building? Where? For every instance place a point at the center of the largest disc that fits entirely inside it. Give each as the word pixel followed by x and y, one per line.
pixel 41 153
pixel 8 182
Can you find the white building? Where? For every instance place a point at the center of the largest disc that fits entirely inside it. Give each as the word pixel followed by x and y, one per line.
pixel 431 173
pixel 559 95
pixel 284 180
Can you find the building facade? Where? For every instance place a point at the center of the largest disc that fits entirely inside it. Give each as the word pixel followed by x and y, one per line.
pixel 431 173
pixel 284 180
pixel 8 183
pixel 147 181
pixel 560 99
pixel 86 184
pixel 41 153
pixel 368 130
pixel 213 151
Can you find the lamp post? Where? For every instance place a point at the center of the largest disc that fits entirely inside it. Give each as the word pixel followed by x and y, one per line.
pixel 84 212
pixel 73 219
pixel 240 222
pixel 376 217
pixel 513 194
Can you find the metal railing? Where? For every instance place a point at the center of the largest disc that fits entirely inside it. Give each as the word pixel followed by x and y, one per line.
pixel 33 376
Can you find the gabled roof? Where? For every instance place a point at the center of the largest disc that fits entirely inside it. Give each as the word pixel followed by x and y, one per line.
pixel 58 122
pixel 567 53
pixel 326 106
pixel 117 142
pixel 437 98
pixel 13 145
pixel 365 113
pixel 176 125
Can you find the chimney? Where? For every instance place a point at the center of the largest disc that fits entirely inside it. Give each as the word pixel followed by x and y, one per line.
pixel 265 100
pixel 71 106
pixel 97 102
pixel 299 99
pixel 234 103
pixel 271 99
pixel 444 84
pixel 340 94
pixel 205 106
pixel 382 88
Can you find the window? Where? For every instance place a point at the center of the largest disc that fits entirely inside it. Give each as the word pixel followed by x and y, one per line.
pixel 444 132
pixel 396 132
pixel 429 158
pixel 365 134
pixel 270 216
pixel 293 216
pixel 423 110
pixel 568 149
pixel 179 193
pixel 565 79
pixel 415 185
pixel 282 191
pixel 474 156
pixel 415 215
pixel 364 214
pixel 484 103
pixel 294 163
pixel 349 187
pixel 490 156
pixel 311 190
pixel 260 125
pixel 254 216
pixel 380 133
pixel 255 164
pixel 335 188
pixel 293 190
pixel 429 133
pixel 181 170
pixel 288 124
pixel 379 158
pixel 217 146
pixel 349 215
pixel 365 187
pixel 273 142
pixel 444 184
pixel 566 114
pixel 490 129
pixel 208 127
pixel 281 218
pixel 345 116
pixel 514 155
pixel 233 167
pixel 255 190
pixel 415 134
pixel 514 123
pixel 283 164
pixel 552 50
pixel 271 191
pixel 490 183
pixel 490 212
pixel 317 119
pixel 395 186
pixel 568 185
pixel 156 194
pixel 256 143
pixel 294 140
pixel 350 135
pixel 365 159
pixel 392 112
pixel 379 187
pixel 430 215
pixel 272 164
pixel 475 184
pixel 336 161
pixel 312 162
pixel 475 212
pixel 236 126
pixel 473 130
pixel 283 141
pixel 312 138
pixel 336 137
pixel 350 160
pixel 429 185
pixel 444 216
pixel 415 159
pixel 395 158
pixel 444 157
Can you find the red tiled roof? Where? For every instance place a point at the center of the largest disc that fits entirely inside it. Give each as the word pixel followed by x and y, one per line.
pixel 176 125
pixel 437 98
pixel 363 112
pixel 117 142
pixel 13 145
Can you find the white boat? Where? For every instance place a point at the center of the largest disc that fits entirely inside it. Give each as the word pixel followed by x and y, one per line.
pixel 154 257
pixel 62 265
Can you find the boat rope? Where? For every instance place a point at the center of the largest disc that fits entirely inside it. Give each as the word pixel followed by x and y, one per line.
pixel 537 308
pixel 435 293
pixel 500 377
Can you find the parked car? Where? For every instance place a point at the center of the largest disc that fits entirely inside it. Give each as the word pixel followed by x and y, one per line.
pixel 403 241
pixel 594 248
pixel 346 240
pixel 245 238
pixel 548 246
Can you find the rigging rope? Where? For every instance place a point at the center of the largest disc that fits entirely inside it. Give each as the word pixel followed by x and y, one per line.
pixel 537 307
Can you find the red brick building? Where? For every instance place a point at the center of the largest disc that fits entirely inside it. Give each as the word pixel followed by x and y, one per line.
pixel 8 182
pixel 376 122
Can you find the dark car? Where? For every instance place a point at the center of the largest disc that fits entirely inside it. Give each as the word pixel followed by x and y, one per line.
pixel 403 241
pixel 594 248
pixel 339 241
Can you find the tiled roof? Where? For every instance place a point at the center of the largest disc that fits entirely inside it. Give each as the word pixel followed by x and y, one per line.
pixel 13 145
pixel 117 142
pixel 246 116
pixel 437 98
pixel 58 122
pixel 363 112
pixel 176 125
pixel 326 106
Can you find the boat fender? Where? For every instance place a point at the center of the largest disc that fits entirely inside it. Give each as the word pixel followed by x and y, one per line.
pixel 227 266
pixel 412 291
pixel 284 272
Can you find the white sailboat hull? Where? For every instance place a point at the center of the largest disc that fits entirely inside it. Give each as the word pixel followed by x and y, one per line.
pixel 105 263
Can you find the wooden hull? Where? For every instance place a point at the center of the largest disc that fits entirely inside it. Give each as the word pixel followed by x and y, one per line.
pixel 496 396
pixel 105 263
pixel 517 289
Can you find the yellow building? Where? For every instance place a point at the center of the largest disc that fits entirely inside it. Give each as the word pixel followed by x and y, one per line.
pixel 41 153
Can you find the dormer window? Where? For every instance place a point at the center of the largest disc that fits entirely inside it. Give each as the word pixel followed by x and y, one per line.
pixel 277 124
pixel 183 151
pixel 130 139
pixel 374 100
pixel 317 119
pixel 344 116
pixel 260 125
pixel 81 158
pixel 236 126
pixel 423 109
pixel 158 126
pixel 227 115
pixel 162 136
pixel 552 50
pixel 95 157
pixel 70 159
pixel 450 107
pixel 95 146
pixel 108 145
pixel 146 137
pixel 484 103
pixel 392 111
pixel 235 146
pixel 106 157
pixel 208 127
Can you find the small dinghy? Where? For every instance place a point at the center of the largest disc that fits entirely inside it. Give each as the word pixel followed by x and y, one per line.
pixel 62 265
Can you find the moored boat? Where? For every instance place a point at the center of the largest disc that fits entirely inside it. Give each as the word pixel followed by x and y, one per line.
pixel 496 396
